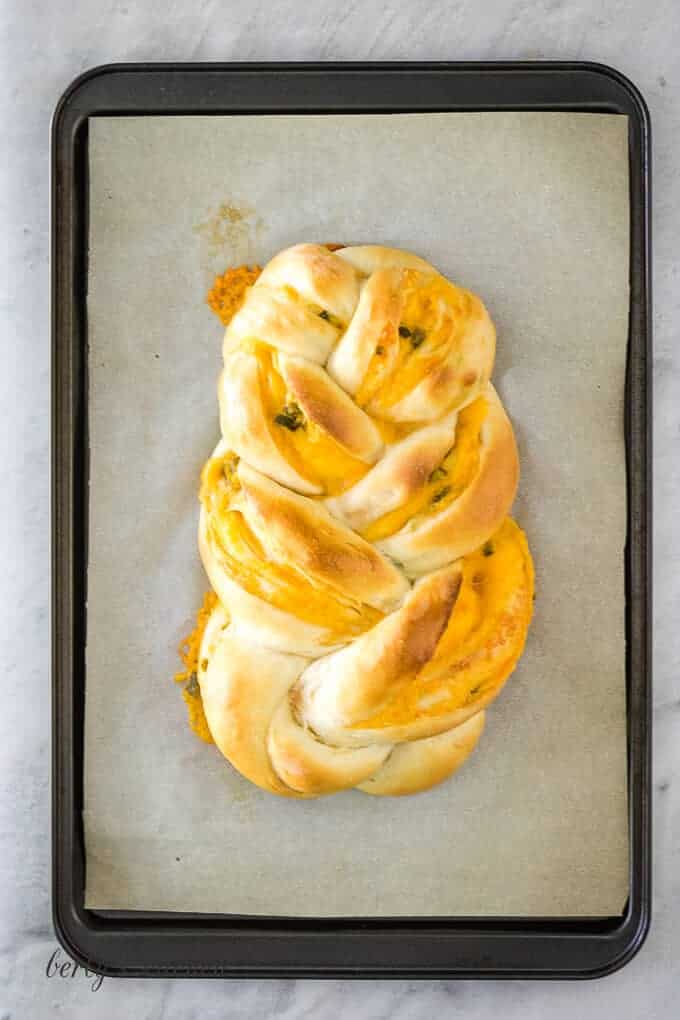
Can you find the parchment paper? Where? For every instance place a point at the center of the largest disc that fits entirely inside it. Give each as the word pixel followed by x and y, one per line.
pixel 530 211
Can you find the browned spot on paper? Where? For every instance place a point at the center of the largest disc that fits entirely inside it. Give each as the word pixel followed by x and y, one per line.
pixel 230 233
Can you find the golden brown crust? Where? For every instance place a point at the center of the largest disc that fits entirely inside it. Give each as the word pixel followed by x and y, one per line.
pixel 465 373
pixel 245 426
pixel 302 532
pixel 446 349
pixel 374 324
pixel 362 447
pixel 399 474
pixel 326 405
pixel 266 624
pixel 252 409
pixel 372 258
pixel 339 691
pixel 418 765
pixel 270 316
pixel 426 543
pixel 317 275
pixel 478 651
pixel 310 766
pixel 241 689
pixel 245 698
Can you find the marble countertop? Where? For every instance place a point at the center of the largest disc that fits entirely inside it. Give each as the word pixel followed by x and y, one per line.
pixel 45 45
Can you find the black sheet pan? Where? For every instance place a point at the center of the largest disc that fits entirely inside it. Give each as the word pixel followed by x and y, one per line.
pixel 159 944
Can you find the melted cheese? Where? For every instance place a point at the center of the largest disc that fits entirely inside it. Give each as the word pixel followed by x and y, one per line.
pixel 189 652
pixel 484 637
pixel 446 483
pixel 310 450
pixel 393 431
pixel 248 565
pixel 229 291
pixel 196 715
pixel 297 298
pixel 432 307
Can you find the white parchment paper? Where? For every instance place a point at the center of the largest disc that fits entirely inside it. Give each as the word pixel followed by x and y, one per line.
pixel 529 210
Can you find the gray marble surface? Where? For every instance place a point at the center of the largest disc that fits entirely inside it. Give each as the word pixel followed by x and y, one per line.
pixel 44 45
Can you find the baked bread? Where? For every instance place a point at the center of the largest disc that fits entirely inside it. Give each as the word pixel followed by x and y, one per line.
pixel 372 594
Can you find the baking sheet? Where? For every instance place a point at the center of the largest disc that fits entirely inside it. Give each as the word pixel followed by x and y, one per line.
pixel 530 210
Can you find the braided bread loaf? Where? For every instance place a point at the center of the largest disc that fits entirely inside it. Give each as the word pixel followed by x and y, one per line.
pixel 373 595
